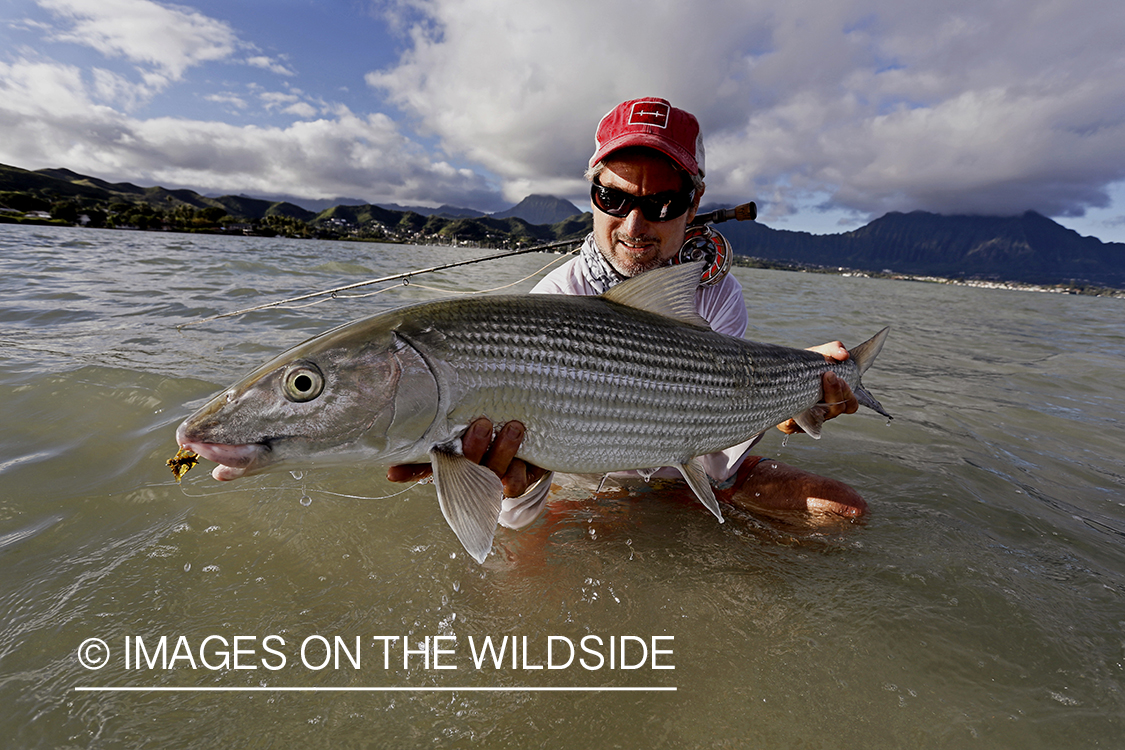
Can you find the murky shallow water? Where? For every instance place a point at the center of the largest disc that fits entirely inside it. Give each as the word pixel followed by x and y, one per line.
pixel 981 605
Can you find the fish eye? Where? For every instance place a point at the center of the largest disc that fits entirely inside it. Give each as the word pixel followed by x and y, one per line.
pixel 302 382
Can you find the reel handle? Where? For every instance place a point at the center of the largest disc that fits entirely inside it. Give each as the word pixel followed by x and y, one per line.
pixel 745 212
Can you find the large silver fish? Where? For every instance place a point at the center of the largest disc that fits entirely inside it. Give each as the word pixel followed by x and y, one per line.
pixel 632 379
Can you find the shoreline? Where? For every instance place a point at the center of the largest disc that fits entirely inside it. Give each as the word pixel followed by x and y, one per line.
pixel 746 261
pixel 1072 288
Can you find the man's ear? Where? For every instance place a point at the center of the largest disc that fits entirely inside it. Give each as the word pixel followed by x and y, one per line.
pixel 695 204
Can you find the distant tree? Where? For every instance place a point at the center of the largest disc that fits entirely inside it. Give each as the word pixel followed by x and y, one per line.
pixel 97 217
pixel 65 211
pixel 212 214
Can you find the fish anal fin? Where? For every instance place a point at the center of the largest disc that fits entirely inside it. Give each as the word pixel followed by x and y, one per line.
pixel 470 497
pixel 668 291
pixel 811 420
pixel 700 484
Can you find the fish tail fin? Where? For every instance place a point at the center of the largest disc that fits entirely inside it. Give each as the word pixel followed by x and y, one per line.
pixel 864 356
pixel 864 396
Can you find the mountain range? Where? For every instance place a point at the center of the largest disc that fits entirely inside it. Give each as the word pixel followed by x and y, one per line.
pixel 1027 248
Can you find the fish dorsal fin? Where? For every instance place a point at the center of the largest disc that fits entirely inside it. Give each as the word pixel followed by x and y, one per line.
pixel 668 291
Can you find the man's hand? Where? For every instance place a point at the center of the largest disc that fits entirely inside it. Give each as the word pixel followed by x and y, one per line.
pixel 838 397
pixel 480 447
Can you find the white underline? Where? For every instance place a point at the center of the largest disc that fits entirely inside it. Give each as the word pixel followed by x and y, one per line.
pixel 134 689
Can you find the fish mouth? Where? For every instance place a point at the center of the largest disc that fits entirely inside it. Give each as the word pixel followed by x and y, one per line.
pixel 233 461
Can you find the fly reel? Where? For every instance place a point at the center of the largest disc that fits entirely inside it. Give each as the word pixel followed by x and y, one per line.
pixel 702 243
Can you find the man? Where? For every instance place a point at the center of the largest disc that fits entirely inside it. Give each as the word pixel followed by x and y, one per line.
pixel 646 179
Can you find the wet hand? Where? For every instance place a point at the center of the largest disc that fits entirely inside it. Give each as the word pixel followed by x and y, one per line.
pixel 480 446
pixel 837 398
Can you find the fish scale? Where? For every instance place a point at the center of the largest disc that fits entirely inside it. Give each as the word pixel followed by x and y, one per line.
pixel 602 386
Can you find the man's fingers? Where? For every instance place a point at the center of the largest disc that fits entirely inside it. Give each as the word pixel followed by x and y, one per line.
pixel 832 350
pixel 504 448
pixel 409 472
pixel 789 427
pixel 497 454
pixel 520 476
pixel 475 441
pixel 838 396
pixel 837 399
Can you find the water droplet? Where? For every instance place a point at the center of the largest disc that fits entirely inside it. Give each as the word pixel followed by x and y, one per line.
pixel 306 500
pixel 298 474
pixel 187 567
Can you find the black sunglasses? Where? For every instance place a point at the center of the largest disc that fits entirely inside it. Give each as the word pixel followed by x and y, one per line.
pixel 656 208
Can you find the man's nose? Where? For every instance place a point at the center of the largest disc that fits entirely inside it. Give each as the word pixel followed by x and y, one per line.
pixel 635 223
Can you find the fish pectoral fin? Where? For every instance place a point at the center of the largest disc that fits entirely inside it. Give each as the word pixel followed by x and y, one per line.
pixel 470 497
pixel 811 420
pixel 700 484
pixel 517 512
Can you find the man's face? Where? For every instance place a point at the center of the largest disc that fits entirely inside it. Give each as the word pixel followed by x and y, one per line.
pixel 633 244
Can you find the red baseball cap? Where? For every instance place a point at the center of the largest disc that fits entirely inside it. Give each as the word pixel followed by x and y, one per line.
pixel 653 123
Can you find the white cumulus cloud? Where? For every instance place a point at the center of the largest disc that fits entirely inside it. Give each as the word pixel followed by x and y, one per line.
pixel 871 105
pixel 164 39
pixel 50 118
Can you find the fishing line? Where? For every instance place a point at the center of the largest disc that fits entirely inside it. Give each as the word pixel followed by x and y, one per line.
pixel 406 282
pixel 406 275
pixel 304 491
pixel 478 291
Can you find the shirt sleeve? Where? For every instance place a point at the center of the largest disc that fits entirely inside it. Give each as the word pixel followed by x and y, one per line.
pixel 724 307
pixel 566 279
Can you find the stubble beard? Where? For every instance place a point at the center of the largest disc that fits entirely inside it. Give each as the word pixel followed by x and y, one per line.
pixel 629 267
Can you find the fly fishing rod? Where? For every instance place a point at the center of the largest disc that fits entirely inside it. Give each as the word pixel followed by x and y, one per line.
pixel 745 212
pixel 406 275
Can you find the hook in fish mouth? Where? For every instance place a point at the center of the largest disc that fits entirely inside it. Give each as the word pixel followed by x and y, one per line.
pixel 234 460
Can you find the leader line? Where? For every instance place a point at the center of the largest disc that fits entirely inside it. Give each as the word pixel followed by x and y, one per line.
pixel 255 689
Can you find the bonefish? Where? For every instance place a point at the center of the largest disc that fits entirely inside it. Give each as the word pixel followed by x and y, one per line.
pixel 632 379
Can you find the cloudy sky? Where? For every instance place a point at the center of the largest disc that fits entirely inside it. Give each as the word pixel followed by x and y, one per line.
pixel 826 112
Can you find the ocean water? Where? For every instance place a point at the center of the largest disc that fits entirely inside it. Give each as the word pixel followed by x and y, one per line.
pixel 982 604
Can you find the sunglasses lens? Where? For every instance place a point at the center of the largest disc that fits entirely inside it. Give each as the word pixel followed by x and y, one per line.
pixel 655 208
pixel 613 202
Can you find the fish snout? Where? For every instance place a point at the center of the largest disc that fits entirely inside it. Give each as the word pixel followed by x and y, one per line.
pixel 234 460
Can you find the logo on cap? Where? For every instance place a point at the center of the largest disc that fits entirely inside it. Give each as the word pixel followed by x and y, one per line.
pixel 650 113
